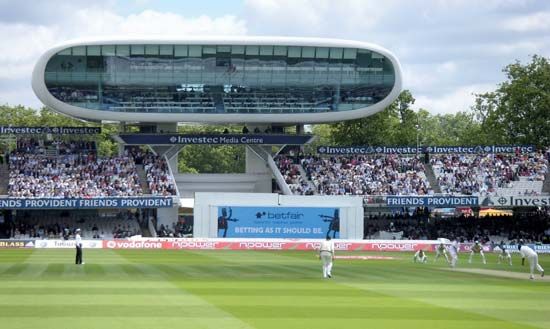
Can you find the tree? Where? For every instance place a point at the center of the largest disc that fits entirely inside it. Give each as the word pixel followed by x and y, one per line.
pixel 211 158
pixel 18 116
pixel 459 128
pixel 518 111
pixel 395 125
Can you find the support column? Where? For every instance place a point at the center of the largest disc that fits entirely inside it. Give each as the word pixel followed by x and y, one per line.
pixel 120 146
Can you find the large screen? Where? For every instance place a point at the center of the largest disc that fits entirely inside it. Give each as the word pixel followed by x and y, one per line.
pixel 278 222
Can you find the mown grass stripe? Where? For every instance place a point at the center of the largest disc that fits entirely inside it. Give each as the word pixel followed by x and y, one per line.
pixel 15 269
pixel 145 289
pixel 131 269
pixel 84 290
pixel 189 311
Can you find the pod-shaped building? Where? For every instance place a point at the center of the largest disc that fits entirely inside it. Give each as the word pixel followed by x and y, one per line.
pixel 217 80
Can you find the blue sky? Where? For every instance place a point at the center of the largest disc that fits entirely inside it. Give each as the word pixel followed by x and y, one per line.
pixel 449 49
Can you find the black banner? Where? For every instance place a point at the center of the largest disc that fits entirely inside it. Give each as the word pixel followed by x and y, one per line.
pixel 425 149
pixel 10 130
pixel 215 139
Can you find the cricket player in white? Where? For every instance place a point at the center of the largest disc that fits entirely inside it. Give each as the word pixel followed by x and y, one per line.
pixel 532 258
pixel 420 256
pixel 477 249
pixel 326 254
pixel 503 253
pixel 78 243
pixel 441 251
pixel 453 251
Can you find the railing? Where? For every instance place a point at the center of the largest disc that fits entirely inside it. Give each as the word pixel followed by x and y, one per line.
pixel 174 179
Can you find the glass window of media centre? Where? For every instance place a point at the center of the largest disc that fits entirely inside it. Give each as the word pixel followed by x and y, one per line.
pixel 219 78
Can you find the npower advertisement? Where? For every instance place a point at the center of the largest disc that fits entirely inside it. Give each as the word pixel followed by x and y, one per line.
pixel 269 244
pixel 253 244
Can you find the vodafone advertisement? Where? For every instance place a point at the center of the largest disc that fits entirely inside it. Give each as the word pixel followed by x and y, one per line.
pixel 269 244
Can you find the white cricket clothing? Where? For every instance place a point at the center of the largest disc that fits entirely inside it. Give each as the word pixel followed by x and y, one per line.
pixel 505 254
pixel 78 240
pixel 532 258
pixel 326 252
pixel 453 251
pixel 526 251
pixel 327 245
pixel 477 248
pixel 420 256
pixel 441 251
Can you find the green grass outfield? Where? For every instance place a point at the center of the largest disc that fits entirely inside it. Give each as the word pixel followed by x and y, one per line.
pixel 42 289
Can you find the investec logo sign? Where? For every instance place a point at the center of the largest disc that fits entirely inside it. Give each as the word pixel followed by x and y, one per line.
pixel 366 149
pixel 430 149
pixel 216 140
pixel 525 201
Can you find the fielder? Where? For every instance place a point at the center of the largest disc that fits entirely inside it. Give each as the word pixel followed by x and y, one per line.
pixel 420 256
pixel 453 251
pixel 532 258
pixel 477 249
pixel 326 254
pixel 441 251
pixel 504 254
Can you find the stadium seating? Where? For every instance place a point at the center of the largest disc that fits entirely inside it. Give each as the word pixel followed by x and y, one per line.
pixel 532 227
pixel 293 177
pixel 158 176
pixel 74 170
pixel 491 174
pixel 361 175
pixel 273 103
pixel 99 226
pixel 487 174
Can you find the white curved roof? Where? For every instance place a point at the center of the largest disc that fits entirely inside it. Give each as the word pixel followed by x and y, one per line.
pixel 41 91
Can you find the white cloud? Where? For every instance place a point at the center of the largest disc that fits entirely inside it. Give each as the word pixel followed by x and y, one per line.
pixel 539 21
pixel 314 16
pixel 460 99
pixel 22 42
pixel 103 22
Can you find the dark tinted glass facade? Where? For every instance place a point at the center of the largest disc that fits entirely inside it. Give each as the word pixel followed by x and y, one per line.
pixel 219 79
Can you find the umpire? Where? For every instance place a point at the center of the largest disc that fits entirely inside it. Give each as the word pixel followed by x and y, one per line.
pixel 78 243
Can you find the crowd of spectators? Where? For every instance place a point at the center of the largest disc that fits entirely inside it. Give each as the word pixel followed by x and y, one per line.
pixel 362 175
pixel 72 176
pixel 61 147
pixel 482 174
pixel 75 171
pixel 393 174
pixel 159 180
pixel 183 228
pixel 22 229
pixel 292 176
pixel 533 227
pixel 61 224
